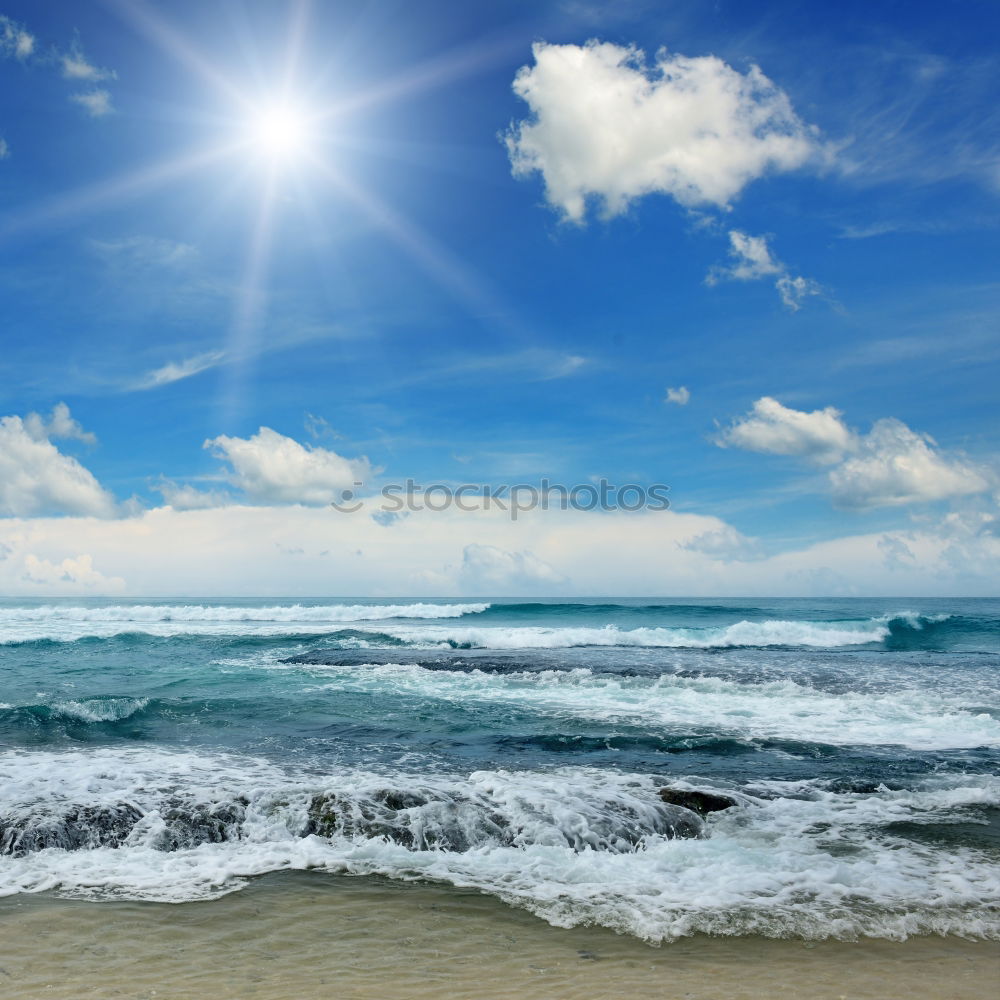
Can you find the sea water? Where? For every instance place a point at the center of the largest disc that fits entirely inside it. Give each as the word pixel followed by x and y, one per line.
pixel 173 750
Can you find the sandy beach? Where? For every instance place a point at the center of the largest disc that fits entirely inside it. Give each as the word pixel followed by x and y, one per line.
pixel 300 935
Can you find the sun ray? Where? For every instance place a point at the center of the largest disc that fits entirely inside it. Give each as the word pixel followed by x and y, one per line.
pixel 130 185
pixel 463 62
pixel 243 342
pixel 158 30
pixel 297 23
pixel 434 259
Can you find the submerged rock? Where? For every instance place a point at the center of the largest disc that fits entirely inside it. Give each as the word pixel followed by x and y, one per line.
pixel 80 827
pixel 188 824
pixel 458 823
pixel 701 803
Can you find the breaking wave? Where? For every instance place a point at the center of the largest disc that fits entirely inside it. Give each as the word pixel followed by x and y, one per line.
pixel 573 845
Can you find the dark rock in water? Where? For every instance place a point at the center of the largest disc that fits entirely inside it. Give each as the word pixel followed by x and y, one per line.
pixel 459 823
pixel 405 818
pixel 701 803
pixel 322 814
pixel 81 827
pixel 188 824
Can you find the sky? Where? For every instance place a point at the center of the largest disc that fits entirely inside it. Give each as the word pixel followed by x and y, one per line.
pixel 255 255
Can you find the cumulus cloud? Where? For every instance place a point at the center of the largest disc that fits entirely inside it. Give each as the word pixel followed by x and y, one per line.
pixel 70 574
pixel 487 569
pixel 60 424
pixel 606 126
pixel 891 465
pixel 752 259
pixel 681 396
pixel 724 543
pixel 97 103
pixel 15 40
pixel 36 478
pixel 272 468
pixel 894 465
pixel 819 435
pixel 174 371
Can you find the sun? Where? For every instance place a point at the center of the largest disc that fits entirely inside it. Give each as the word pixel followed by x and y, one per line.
pixel 279 132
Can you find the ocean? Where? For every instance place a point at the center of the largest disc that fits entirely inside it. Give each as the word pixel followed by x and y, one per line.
pixel 178 750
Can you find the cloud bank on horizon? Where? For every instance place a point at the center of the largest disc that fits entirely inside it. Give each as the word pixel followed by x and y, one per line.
pixel 282 502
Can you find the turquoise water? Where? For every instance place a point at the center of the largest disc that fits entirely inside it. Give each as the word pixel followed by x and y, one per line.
pixel 173 749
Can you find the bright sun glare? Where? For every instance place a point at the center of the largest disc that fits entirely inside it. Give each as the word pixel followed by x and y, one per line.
pixel 279 132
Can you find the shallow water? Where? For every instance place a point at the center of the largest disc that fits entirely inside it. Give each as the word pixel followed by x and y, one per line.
pixel 314 935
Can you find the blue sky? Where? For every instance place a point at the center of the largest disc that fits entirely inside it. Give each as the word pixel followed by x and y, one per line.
pixel 487 262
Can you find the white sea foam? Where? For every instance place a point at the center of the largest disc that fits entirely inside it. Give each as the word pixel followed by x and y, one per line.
pixel 63 623
pixel 782 709
pixel 817 864
pixel 744 633
pixel 100 709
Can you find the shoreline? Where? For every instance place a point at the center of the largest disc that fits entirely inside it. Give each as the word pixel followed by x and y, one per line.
pixel 310 934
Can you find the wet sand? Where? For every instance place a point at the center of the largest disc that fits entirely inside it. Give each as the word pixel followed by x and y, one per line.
pixel 305 935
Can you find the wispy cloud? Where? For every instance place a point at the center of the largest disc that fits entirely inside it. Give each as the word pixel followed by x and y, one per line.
pixel 76 66
pixel 174 371
pixel 919 116
pixel 97 103
pixel 146 251
pixel 15 40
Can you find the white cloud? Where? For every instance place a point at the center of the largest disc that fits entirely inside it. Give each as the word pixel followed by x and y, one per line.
pixel 752 259
pixel 187 497
pixel 681 396
pixel 604 125
pixel 4 149
pixel 896 554
pixel 819 435
pixel 70 575
pixel 894 465
pixel 174 371
pixel 487 569
pixel 36 478
pixel 272 468
pixel 891 465
pixel 725 543
pixel 794 290
pixel 15 40
pixel 18 43
pixel 97 103
pixel 76 66
pixel 59 425
pixel 241 550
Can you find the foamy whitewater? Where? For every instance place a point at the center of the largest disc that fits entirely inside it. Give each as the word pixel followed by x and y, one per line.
pixel 544 753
